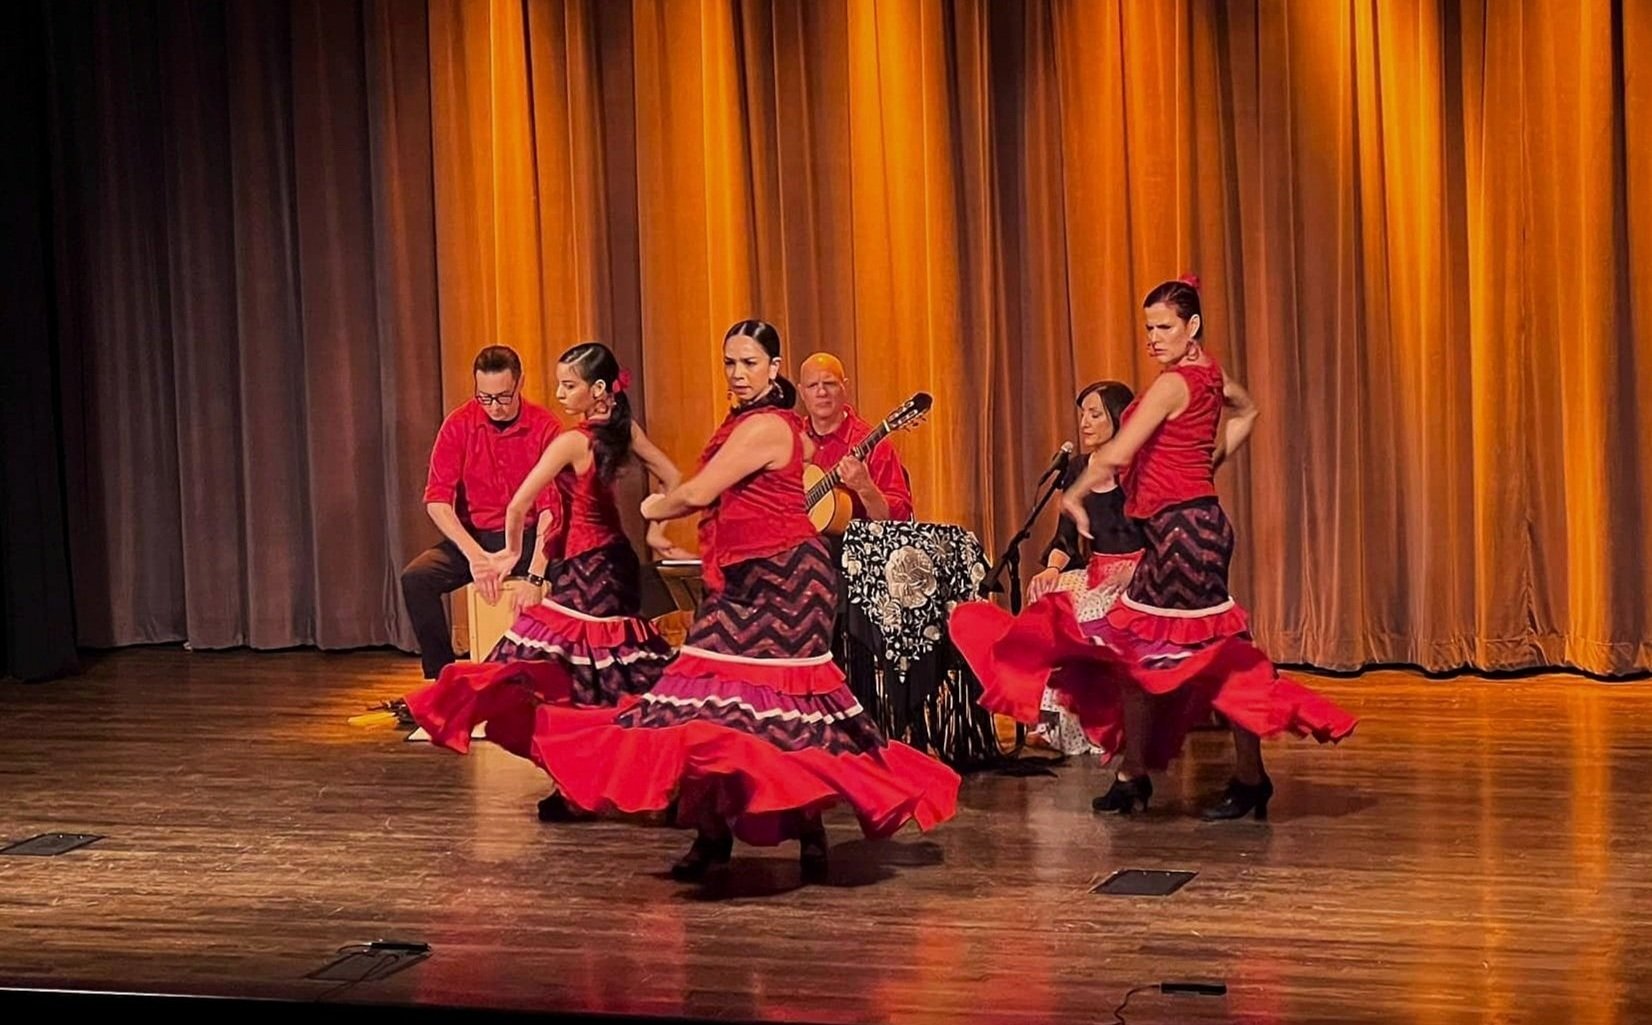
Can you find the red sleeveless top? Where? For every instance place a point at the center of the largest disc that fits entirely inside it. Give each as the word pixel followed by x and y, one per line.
pixel 1173 466
pixel 759 516
pixel 591 513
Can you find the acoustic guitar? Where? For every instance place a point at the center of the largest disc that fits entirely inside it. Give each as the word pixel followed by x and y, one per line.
pixel 831 506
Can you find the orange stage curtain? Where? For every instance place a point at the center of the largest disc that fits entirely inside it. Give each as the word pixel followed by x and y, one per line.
pixel 1416 222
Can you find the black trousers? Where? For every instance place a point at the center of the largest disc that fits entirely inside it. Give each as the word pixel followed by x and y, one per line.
pixel 433 573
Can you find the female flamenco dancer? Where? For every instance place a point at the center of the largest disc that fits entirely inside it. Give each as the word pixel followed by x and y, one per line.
pixel 584 643
pixel 1093 571
pixel 1175 646
pixel 752 729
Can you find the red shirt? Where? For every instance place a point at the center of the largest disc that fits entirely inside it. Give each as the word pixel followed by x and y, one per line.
pixel 759 516
pixel 478 467
pixel 883 465
pixel 1173 465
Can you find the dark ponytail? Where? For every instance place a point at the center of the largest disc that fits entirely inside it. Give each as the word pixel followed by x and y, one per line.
pixel 784 394
pixel 611 438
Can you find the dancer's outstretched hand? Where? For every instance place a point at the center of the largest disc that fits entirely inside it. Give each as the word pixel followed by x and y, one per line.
pixel 663 547
pixel 526 596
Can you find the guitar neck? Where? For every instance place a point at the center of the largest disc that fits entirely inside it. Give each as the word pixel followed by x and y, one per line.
pixel 870 442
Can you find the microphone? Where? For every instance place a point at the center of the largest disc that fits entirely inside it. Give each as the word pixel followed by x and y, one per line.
pixel 1058 462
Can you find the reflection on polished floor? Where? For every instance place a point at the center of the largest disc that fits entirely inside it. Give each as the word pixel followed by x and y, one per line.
pixel 1477 852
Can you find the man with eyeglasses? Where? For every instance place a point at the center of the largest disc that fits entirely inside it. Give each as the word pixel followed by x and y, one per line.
pixel 482 454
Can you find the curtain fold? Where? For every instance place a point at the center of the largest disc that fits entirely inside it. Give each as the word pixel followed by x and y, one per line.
pixel 1390 205
pixel 37 640
pixel 1416 222
pixel 247 252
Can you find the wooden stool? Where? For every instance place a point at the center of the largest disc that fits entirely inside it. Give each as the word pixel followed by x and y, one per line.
pixel 682 580
pixel 673 626
pixel 482 625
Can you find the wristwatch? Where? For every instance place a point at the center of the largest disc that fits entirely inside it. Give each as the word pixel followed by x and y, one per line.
pixel 536 580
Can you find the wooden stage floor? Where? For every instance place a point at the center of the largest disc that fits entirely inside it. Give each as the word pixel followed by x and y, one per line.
pixel 1477 852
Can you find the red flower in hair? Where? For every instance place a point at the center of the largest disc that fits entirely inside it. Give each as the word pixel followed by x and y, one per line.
pixel 1191 280
pixel 622 382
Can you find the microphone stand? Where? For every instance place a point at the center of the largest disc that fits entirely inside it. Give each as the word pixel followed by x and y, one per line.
pixel 1010 562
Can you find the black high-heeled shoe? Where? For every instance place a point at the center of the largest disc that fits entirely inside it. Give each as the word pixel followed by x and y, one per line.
pixel 1124 795
pixel 706 853
pixel 556 808
pixel 812 852
pixel 1241 799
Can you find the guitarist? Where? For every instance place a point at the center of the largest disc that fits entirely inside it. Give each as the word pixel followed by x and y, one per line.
pixel 879 487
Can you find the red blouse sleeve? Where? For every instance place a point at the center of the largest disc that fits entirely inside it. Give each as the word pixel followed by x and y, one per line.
pixel 447 462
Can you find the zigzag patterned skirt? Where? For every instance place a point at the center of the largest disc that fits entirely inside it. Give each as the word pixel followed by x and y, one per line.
pixel 584 645
pixel 589 623
pixel 752 725
pixel 1177 634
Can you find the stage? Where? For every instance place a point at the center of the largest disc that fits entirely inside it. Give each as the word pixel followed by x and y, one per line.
pixel 1475 853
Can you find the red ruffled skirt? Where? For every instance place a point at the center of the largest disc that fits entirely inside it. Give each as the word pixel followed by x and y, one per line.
pixel 758 743
pixel 592 654
pixel 1093 589
pixel 738 729
pixel 1191 650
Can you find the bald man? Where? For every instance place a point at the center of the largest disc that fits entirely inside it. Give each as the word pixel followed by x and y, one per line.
pixel 878 486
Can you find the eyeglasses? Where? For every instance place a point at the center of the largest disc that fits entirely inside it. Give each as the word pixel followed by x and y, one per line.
pixel 504 398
